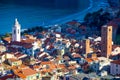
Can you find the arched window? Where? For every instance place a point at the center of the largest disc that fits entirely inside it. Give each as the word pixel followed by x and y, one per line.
pixel 109 29
pixel 14 31
pixel 18 31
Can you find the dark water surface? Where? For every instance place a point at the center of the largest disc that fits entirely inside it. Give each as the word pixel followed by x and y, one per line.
pixel 31 14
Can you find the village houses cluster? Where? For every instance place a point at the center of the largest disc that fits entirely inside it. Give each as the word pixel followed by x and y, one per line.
pixel 58 52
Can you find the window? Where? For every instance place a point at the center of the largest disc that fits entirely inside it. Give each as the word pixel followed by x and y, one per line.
pixel 103 51
pixel 109 29
pixel 116 65
pixel 116 70
pixel 14 31
pixel 94 66
pixel 116 50
pixel 109 46
pixel 18 31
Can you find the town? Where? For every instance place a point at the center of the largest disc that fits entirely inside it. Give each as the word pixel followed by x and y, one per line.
pixel 58 53
pixel 69 51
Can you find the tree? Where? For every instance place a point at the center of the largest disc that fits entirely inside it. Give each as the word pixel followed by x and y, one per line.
pixel 118 14
pixel 33 29
pixel 97 19
pixel 87 17
pixel 7 35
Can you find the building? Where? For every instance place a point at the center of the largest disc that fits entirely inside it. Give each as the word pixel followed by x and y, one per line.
pixel 16 35
pixel 4 56
pixel 2 48
pixel 25 73
pixel 115 49
pixel 27 48
pixel 106 41
pixel 115 67
pixel 102 64
pixel 115 25
pixel 14 62
pixel 87 46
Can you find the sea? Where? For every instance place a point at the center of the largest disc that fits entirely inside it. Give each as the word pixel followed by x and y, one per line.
pixel 30 15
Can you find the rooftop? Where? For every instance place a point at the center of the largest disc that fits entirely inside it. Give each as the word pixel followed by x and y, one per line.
pixel 116 62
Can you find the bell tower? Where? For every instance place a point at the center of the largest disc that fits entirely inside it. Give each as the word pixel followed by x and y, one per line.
pixel 106 41
pixel 16 32
pixel 87 47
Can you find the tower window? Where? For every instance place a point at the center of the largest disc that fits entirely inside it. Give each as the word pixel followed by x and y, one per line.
pixel 18 30
pixel 109 47
pixel 109 29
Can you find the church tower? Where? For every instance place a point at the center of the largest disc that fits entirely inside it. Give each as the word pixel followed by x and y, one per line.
pixel 106 41
pixel 87 47
pixel 16 35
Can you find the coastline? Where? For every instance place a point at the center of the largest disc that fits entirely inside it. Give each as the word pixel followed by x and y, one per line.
pixel 94 6
pixel 68 18
pixel 34 15
pixel 61 20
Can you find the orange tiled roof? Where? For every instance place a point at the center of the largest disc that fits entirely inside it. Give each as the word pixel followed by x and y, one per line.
pixel 47 70
pixel 36 66
pixel 95 59
pixel 53 66
pixel 89 60
pixel 46 62
pixel 71 67
pixel 8 39
pixel 24 72
pixel 61 66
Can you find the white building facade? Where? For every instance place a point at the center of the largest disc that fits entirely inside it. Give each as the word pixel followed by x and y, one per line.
pixel 16 35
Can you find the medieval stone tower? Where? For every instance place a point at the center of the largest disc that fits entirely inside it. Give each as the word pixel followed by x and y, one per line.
pixel 87 46
pixel 106 41
pixel 16 36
